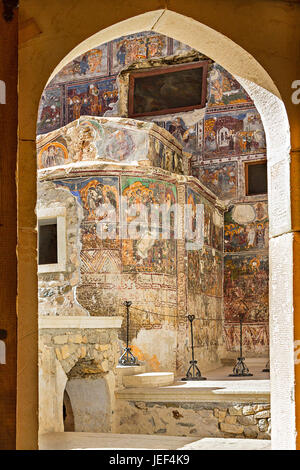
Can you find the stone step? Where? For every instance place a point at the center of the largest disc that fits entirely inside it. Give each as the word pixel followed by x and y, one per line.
pixel 148 379
pixel 130 370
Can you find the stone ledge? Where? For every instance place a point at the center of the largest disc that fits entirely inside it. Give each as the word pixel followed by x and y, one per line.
pixel 80 322
pixel 148 379
pixel 179 393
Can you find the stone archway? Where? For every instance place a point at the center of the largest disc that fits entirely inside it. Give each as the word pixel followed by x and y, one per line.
pixel 267 99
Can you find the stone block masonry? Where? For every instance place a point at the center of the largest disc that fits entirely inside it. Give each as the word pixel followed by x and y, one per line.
pixel 222 419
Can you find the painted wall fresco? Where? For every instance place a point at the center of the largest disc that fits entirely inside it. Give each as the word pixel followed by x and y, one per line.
pixel 146 254
pixel 205 287
pixel 189 135
pixel 224 91
pixel 128 49
pixel 91 98
pixel 213 220
pixel 228 129
pixel 50 114
pixel 234 133
pixel 111 139
pixel 94 62
pixel 221 178
pixel 246 281
pixel 88 86
pixel 246 227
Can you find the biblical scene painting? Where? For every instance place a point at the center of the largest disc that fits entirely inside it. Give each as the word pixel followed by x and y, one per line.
pixel 220 178
pixel 246 280
pixel 90 98
pixel 50 115
pixel 225 90
pixel 213 230
pixel 129 49
pixel 146 253
pixel 52 154
pixel 88 65
pixel 246 228
pixel 234 133
pixel 205 272
pixel 188 135
pixel 99 198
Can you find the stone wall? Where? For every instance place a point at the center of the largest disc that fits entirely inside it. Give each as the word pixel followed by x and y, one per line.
pixel 219 139
pixel 69 355
pixel 159 277
pixel 239 420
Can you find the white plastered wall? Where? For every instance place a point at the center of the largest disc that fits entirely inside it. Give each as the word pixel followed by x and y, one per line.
pixel 267 99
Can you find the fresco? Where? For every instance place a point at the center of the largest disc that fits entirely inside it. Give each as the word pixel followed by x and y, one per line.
pixel 205 272
pixel 247 233
pixel 147 254
pixel 220 178
pixel 52 154
pixel 255 337
pixel 91 193
pixel 213 223
pixel 246 281
pixel 90 98
pixel 224 90
pixel 88 65
pixel 167 159
pixel 128 49
pixel 234 133
pixel 50 115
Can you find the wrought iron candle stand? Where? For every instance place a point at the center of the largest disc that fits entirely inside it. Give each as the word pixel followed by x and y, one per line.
pixel 240 369
pixel 127 358
pixel 267 367
pixel 193 372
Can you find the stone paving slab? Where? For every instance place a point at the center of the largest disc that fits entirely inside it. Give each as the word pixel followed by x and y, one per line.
pixel 99 441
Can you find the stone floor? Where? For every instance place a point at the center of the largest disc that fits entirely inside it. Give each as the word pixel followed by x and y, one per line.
pixel 217 380
pixel 255 366
pixel 95 441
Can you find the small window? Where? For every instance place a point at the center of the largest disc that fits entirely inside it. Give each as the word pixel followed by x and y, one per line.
pixel 48 242
pixel 51 240
pixel 256 178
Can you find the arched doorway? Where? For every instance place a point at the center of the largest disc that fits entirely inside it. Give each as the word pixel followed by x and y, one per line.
pixel 266 97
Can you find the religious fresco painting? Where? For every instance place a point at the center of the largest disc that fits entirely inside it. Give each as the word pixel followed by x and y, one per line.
pixel 88 65
pixel 205 272
pixel 215 139
pixel 167 159
pixel 147 254
pixel 224 90
pixel 246 280
pixel 90 98
pixel 52 154
pixel 91 193
pixel 246 228
pixel 221 178
pixel 235 133
pixel 50 114
pixel 189 136
pixel 128 49
pixel 213 221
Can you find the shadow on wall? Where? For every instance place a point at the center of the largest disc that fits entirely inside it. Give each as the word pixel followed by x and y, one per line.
pixel 86 405
pixel 68 415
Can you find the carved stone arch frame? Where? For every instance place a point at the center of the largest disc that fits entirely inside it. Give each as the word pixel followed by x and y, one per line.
pixel 261 88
